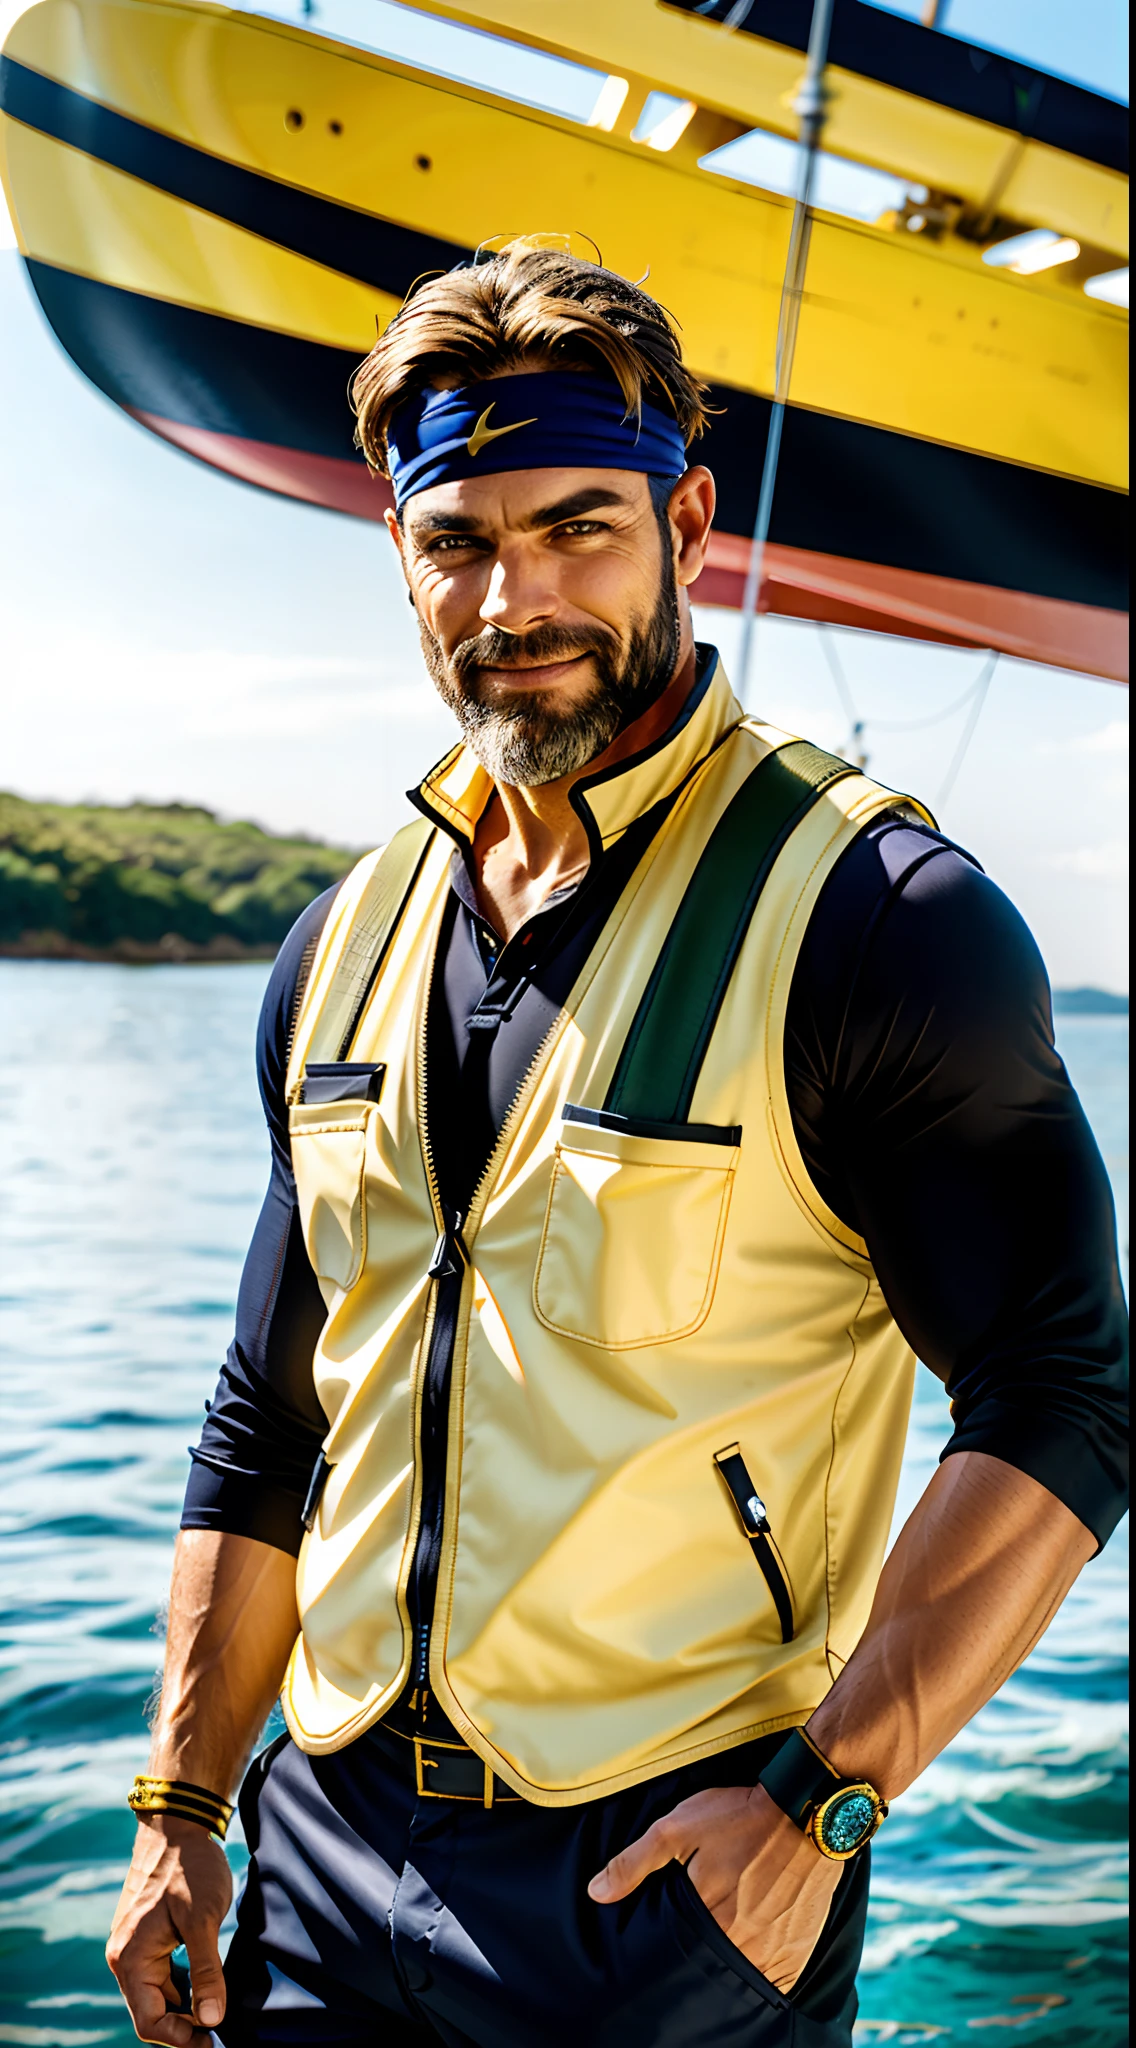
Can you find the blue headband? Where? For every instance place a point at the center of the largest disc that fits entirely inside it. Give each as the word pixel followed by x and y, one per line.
pixel 546 419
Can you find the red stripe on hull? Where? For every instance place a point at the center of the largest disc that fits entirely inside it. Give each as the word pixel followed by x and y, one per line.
pixel 797 584
pixel 336 483
pixel 831 588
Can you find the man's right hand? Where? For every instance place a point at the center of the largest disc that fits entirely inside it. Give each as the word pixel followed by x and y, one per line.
pixel 177 1890
pixel 232 1624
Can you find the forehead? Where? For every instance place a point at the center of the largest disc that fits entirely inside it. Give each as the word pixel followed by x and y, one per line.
pixel 525 499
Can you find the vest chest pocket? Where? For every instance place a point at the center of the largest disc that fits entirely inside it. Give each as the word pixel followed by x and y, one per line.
pixel 329 1147
pixel 633 1230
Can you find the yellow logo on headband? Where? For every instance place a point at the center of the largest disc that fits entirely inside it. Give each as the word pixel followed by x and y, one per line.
pixel 482 435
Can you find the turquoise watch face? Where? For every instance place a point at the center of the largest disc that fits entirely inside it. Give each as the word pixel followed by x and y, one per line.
pixel 847 1823
pixel 847 1819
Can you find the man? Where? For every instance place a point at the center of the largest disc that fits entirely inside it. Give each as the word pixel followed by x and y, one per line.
pixel 635 1117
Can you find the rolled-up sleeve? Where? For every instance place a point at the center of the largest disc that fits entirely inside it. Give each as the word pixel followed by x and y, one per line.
pixel 264 1426
pixel 943 1127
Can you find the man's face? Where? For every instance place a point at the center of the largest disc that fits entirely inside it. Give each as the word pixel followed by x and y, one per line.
pixel 549 611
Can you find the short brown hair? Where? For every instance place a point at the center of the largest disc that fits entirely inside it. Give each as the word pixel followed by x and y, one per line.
pixel 524 307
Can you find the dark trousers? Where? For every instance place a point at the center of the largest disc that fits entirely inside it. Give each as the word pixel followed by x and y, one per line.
pixel 373 1915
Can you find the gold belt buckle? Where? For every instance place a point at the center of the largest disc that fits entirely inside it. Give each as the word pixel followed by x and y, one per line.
pixel 423 1763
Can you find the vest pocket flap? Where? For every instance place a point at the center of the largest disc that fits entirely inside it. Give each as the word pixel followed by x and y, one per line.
pixel 329 1145
pixel 637 1140
pixel 633 1230
pixel 341 1081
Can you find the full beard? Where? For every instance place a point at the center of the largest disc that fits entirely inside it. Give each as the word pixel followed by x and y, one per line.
pixel 527 741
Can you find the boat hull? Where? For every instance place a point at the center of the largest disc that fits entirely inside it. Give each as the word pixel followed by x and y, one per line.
pixel 952 467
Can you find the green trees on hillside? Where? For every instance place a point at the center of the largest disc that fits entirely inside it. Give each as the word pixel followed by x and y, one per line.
pixel 147 879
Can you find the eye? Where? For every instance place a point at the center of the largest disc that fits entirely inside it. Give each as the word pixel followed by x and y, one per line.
pixel 572 527
pixel 448 543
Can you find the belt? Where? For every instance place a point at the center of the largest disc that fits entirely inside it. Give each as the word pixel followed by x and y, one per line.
pixel 441 1770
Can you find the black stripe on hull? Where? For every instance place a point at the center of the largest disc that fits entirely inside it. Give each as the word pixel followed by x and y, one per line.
pixel 843 488
pixel 199 369
pixel 376 252
pixel 948 72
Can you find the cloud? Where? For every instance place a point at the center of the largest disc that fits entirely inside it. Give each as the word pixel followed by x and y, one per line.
pixel 231 694
pixel 1106 862
pixel 1107 739
pixel 215 691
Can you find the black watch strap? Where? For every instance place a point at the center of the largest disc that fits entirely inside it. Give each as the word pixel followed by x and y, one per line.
pixel 798 1778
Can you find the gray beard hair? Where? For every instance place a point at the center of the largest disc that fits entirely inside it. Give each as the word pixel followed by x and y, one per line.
pixel 525 747
pixel 524 743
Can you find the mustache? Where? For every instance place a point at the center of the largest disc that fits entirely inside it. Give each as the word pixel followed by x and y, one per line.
pixel 549 643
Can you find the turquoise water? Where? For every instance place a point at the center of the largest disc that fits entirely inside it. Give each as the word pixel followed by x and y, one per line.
pixel 132 1161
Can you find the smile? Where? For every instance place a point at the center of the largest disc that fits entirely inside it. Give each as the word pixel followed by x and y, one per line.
pixel 530 674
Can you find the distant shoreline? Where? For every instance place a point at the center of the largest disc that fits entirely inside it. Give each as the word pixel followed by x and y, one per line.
pixel 1088 1002
pixel 173 951
pixel 159 885
pixel 146 884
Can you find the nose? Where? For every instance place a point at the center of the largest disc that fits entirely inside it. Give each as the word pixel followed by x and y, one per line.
pixel 521 593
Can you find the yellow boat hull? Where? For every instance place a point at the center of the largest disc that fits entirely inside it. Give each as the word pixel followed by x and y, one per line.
pixel 218 211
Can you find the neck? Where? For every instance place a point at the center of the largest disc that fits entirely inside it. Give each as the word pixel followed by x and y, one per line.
pixel 530 842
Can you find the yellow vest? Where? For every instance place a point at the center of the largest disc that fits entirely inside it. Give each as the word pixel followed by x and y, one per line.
pixel 633 1305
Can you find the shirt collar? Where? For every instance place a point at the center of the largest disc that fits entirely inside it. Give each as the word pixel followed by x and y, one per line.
pixel 457 790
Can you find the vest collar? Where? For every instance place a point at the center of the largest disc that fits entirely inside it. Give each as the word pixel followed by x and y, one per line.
pixel 456 791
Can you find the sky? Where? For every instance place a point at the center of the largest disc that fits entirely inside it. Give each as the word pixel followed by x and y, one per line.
pixel 168 633
pixel 1087 42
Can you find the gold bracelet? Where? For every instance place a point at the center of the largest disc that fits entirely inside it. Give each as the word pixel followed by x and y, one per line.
pixel 176 1796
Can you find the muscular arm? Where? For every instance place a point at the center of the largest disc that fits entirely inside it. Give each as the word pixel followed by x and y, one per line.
pixel 936 1119
pixel 935 1115
pixel 232 1624
pixel 975 1578
pixel 232 1618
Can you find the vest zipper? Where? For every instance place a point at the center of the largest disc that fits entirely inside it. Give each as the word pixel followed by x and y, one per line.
pixel 447 1271
pixel 769 1563
pixel 754 1518
pixel 426 1562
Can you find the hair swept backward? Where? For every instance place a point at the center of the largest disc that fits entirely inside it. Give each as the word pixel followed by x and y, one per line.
pixel 524 308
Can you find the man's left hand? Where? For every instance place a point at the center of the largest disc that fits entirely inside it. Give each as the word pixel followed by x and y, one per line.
pixel 768 1888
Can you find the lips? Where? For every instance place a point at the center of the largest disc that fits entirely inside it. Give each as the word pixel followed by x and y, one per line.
pixel 534 673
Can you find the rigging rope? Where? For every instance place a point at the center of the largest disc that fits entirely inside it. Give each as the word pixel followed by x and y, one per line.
pixel 809 106
pixel 981 692
pixel 974 695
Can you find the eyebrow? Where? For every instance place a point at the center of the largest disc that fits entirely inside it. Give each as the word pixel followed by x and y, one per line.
pixel 427 524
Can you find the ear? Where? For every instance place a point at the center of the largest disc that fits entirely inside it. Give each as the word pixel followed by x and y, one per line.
pixel 396 534
pixel 691 513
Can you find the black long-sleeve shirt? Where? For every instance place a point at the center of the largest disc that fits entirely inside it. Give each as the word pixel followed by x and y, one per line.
pixel 931 1108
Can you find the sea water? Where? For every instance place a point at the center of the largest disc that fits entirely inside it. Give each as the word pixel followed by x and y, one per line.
pixel 132 1162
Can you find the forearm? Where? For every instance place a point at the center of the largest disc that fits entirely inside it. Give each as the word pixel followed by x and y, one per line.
pixel 974 1580
pixel 232 1625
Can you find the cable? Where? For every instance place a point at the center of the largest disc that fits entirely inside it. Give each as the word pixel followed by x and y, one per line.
pixel 856 747
pixel 974 694
pixel 981 692
pixel 838 676
pixel 936 718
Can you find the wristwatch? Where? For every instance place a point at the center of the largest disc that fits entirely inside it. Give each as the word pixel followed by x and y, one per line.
pixel 837 1814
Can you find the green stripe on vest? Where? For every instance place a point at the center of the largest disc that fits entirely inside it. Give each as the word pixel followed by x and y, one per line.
pixel 661 1060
